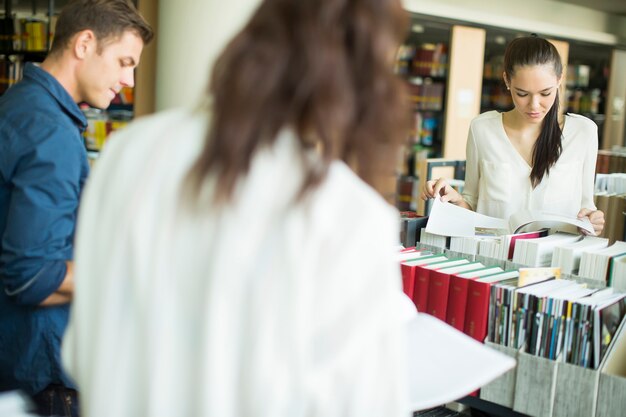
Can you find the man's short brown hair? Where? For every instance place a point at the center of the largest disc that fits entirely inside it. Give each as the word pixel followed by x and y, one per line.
pixel 108 19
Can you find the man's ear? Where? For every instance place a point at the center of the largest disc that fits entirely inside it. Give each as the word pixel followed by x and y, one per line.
pixel 84 43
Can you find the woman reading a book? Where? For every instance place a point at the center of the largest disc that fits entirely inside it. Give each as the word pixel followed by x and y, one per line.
pixel 531 157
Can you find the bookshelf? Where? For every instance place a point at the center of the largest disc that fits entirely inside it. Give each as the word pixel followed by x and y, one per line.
pixel 423 63
pixel 26 33
pixel 494 95
pixel 588 72
pixel 441 63
pixel 540 386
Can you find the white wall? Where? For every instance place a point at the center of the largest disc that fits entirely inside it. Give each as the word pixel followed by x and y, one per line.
pixel 544 17
pixel 191 35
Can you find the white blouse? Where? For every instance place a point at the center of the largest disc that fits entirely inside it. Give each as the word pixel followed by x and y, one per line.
pixel 268 308
pixel 497 178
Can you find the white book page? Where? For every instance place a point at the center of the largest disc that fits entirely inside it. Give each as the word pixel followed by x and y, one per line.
pixel 447 219
pixel 525 217
pixel 445 364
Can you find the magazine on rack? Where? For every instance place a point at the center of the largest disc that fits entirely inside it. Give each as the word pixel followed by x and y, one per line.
pixel 450 220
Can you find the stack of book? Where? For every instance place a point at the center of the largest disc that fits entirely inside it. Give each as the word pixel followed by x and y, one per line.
pixel 611 161
pixel 567 256
pixel 556 319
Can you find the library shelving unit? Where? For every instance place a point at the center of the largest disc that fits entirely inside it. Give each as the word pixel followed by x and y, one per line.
pixel 494 95
pixel 26 32
pixel 26 28
pixel 587 82
pixel 442 65
pixel 423 63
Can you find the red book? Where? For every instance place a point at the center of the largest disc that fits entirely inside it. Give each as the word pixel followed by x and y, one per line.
pixel 438 288
pixel 524 235
pixel 408 268
pixel 477 309
pixel 422 280
pixel 457 295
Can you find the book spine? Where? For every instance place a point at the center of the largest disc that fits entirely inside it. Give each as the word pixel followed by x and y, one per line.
pixel 438 294
pixel 408 279
pixel 457 301
pixel 422 283
pixel 477 310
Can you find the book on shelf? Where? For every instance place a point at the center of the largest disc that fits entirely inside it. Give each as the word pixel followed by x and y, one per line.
pixel 447 219
pixel 567 257
pixel 617 273
pixel 409 267
pixel 443 364
pixel 556 319
pixel 503 247
pixel 439 286
pixel 595 264
pixel 457 294
pixel 538 252
pixel 607 318
pixel 477 310
pixel 502 304
pixel 611 161
pixel 421 290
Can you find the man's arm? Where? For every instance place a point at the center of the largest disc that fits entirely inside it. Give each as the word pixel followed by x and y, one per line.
pixel 65 292
pixel 45 181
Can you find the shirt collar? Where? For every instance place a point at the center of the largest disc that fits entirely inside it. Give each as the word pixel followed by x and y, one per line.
pixel 57 91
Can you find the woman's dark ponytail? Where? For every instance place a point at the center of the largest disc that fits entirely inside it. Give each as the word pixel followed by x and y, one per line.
pixel 548 146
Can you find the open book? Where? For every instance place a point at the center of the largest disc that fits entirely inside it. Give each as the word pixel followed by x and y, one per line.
pixel 445 364
pixel 450 220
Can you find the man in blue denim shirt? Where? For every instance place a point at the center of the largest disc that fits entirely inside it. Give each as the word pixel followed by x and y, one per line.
pixel 43 167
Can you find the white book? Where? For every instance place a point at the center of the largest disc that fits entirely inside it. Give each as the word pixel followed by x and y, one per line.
pixel 538 252
pixel 594 264
pixel 567 256
pixel 431 239
pixel 618 273
pixel 447 219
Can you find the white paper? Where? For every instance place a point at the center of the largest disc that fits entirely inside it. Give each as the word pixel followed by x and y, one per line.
pixel 445 364
pixel 447 219
pixel 525 217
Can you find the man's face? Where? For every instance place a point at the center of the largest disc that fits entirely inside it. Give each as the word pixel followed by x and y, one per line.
pixel 106 71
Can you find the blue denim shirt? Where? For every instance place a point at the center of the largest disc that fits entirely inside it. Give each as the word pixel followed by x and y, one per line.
pixel 43 166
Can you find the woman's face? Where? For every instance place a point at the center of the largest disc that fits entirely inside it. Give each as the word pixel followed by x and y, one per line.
pixel 534 90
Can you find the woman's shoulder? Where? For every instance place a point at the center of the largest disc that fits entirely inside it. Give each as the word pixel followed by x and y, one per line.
pixel 487 118
pixel 579 120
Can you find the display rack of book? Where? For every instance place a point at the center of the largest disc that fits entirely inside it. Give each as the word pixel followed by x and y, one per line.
pixel 566 330
pixel 101 123
pixel 610 198
pixel 422 61
pixel 424 67
pixel 611 161
pixel 588 72
pixel 494 95
pixel 25 35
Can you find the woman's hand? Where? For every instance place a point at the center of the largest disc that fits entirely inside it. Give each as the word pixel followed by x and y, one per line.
pixel 442 189
pixel 596 217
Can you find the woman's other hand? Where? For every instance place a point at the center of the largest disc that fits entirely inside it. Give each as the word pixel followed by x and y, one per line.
pixel 596 217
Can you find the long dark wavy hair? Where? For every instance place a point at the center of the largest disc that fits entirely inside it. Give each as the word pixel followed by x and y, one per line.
pixel 323 70
pixel 528 51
